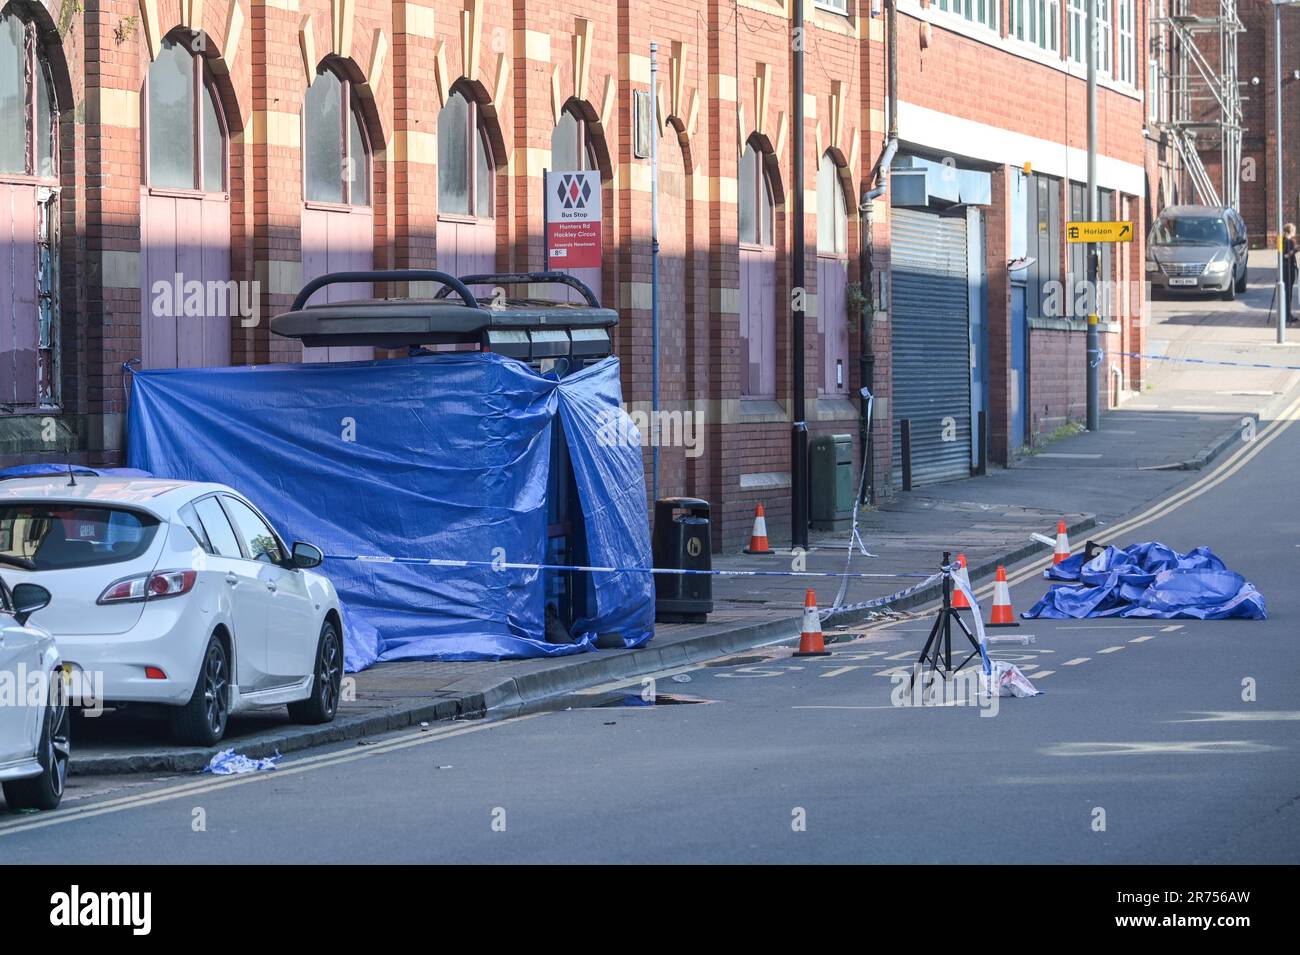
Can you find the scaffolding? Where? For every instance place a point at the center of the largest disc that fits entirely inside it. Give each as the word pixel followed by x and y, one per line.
pixel 1194 61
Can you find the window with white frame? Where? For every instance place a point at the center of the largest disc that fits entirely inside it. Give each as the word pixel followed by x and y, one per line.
pixel 834 6
pixel 977 11
pixel 1077 21
pixel 1037 22
pixel 1126 54
pixel 1077 13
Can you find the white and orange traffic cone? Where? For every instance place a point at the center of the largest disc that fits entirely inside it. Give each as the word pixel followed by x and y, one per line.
pixel 959 600
pixel 1062 543
pixel 811 642
pixel 758 539
pixel 1002 614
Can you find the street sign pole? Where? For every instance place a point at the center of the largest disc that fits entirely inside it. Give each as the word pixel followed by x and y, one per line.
pixel 1277 104
pixel 1093 355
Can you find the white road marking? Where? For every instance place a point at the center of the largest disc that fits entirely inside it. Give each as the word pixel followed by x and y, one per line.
pixel 1149 636
pixel 839 670
pixel 1039 674
pixel 1110 649
pixel 1234 716
pixel 1177 626
pixel 1076 661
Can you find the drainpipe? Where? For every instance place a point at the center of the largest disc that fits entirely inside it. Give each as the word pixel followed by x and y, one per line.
pixel 866 338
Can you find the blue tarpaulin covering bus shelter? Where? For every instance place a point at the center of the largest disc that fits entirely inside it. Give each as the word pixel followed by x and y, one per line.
pixel 441 456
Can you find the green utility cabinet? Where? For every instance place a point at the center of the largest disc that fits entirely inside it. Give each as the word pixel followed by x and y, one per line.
pixel 830 466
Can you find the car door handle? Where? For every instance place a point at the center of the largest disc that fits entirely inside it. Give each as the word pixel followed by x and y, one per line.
pixel 232 579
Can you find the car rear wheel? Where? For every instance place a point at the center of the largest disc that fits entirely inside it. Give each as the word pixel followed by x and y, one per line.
pixel 202 721
pixel 46 790
pixel 1241 282
pixel 323 703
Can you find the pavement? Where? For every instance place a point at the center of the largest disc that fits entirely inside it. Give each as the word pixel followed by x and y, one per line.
pixel 1155 443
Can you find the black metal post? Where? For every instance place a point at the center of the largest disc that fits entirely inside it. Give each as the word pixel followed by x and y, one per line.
pixel 799 430
pixel 905 432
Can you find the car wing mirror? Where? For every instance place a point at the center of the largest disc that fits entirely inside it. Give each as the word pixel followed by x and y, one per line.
pixel 29 598
pixel 306 556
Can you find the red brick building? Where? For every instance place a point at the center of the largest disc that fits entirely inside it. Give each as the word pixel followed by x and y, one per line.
pixel 1256 76
pixel 244 146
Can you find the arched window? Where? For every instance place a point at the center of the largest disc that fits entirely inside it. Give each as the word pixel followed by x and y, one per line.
pixel 336 154
pixel 465 168
pixel 185 126
pixel 571 144
pixel 757 276
pixel 832 213
pixel 755 199
pixel 28 113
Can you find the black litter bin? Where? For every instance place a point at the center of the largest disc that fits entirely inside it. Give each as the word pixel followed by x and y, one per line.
pixel 681 542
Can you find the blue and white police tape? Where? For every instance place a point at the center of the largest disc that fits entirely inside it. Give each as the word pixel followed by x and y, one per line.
pixel 595 569
pixel 969 591
pixel 1205 361
pixel 923 580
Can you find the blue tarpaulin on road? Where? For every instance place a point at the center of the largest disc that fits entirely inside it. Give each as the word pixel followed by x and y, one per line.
pixel 1148 580
pixel 443 456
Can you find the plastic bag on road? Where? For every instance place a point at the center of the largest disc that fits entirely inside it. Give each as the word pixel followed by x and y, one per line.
pixel 1007 680
pixel 229 763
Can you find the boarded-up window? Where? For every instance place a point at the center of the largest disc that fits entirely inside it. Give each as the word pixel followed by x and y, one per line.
pixel 832 277
pixel 188 298
pixel 337 221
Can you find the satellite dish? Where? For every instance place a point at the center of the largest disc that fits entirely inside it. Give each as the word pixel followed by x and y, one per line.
pixel 1023 262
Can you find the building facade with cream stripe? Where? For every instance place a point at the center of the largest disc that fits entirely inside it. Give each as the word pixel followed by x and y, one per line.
pixel 250 145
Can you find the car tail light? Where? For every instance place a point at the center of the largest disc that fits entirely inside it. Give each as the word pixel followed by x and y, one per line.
pixel 155 586
pixel 154 673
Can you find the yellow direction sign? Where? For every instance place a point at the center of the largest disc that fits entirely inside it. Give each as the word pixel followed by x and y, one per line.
pixel 1099 232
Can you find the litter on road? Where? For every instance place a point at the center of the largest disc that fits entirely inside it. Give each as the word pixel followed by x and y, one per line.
pixel 1008 680
pixel 229 763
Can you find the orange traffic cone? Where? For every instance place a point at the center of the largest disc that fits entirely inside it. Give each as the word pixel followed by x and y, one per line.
pixel 758 539
pixel 1002 615
pixel 959 600
pixel 1062 543
pixel 810 639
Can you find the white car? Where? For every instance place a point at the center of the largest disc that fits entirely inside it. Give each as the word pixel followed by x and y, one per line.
pixel 176 593
pixel 34 720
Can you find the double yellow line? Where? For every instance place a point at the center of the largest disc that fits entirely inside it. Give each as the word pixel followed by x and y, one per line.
pixel 210 784
pixel 1230 466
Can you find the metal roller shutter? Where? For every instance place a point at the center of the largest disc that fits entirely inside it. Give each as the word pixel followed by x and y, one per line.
pixel 931 344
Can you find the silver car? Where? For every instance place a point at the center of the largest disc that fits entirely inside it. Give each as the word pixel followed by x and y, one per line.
pixel 1198 249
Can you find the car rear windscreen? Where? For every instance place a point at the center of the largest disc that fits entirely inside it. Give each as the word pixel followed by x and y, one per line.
pixel 39 536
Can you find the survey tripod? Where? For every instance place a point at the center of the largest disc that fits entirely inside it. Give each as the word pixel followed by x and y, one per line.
pixel 938 648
